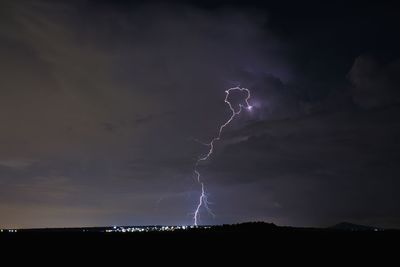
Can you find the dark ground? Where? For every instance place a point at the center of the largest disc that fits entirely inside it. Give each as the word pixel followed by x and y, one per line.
pixel 252 244
pixel 255 237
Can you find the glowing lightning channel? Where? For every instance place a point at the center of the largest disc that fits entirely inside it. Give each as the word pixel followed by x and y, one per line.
pixel 203 197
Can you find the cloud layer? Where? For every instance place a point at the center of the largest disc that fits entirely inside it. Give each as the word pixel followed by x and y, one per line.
pixel 101 104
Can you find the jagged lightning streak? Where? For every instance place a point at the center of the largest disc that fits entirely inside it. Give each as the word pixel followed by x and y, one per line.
pixel 203 196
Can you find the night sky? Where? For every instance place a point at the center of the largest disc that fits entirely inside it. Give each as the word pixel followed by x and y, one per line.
pixel 101 104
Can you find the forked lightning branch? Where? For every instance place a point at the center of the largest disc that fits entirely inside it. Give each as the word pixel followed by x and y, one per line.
pixel 203 202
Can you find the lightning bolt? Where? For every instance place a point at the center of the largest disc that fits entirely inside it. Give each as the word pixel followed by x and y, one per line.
pixel 203 196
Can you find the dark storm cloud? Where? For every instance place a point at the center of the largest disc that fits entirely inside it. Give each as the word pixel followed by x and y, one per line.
pixel 88 89
pixel 375 84
pixel 101 103
pixel 89 75
pixel 325 166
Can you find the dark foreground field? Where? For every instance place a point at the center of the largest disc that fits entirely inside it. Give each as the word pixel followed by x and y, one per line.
pixel 253 243
pixel 263 235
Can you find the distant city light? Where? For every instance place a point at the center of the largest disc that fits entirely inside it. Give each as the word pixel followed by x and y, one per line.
pixel 121 229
